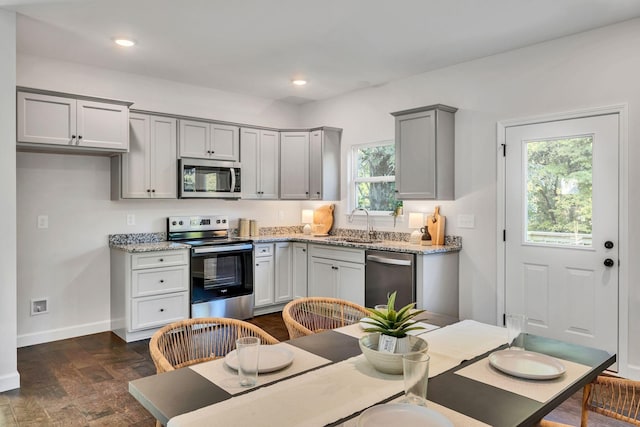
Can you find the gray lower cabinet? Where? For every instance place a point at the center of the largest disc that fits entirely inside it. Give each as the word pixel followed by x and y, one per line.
pixel 336 272
pixel 425 153
pixel 299 270
pixel 149 169
pixel 437 288
pixel 273 278
pixel 148 291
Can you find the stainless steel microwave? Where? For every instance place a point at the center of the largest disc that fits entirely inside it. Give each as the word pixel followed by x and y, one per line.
pixel 215 179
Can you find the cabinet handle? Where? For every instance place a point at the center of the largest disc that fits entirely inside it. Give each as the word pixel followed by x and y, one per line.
pixel 153 191
pixel 148 190
pixel 161 259
pixel 161 280
pixel 79 136
pixel 304 250
pixel 161 310
pixel 257 265
pixel 73 137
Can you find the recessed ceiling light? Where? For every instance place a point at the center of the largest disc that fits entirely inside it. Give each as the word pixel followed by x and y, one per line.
pixel 124 42
pixel 299 82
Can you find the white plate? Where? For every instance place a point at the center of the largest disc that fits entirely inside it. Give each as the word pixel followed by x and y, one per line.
pixel 270 359
pixel 402 414
pixel 526 364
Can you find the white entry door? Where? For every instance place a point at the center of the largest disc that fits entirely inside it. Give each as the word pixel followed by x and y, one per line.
pixel 562 229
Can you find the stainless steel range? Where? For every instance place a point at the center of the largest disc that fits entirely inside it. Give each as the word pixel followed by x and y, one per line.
pixel 221 267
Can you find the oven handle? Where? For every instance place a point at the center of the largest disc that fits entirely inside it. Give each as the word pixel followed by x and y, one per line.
pixel 223 248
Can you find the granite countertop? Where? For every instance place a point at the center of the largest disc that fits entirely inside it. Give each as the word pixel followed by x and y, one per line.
pixel 384 245
pixel 151 242
pixel 149 246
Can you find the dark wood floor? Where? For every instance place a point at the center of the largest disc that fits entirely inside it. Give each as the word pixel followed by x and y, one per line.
pixel 84 382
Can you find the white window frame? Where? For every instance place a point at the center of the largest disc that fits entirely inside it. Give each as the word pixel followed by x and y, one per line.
pixel 354 179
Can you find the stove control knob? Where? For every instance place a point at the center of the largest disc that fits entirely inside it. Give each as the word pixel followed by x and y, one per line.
pixel 174 223
pixel 217 221
pixel 180 222
pixel 224 221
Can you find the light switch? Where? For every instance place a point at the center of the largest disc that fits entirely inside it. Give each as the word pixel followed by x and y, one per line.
pixel 43 221
pixel 466 221
pixel 131 219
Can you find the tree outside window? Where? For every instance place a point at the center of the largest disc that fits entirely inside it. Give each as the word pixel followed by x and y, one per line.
pixel 374 176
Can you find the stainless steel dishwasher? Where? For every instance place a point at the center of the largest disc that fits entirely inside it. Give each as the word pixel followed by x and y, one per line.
pixel 386 272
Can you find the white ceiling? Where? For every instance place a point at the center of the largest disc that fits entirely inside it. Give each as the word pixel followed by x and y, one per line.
pixel 256 47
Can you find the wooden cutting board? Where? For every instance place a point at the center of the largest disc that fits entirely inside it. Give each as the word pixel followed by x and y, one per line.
pixel 323 219
pixel 435 225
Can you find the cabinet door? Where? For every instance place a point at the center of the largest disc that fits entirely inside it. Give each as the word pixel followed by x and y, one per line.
pixel 315 165
pixel 194 139
pixel 416 156
pixel 294 165
pixel 322 278
pixel 163 167
pixel 135 163
pixel 263 275
pixel 249 140
pixel 299 270
pixel 350 281
pixel 45 119
pixel 269 164
pixel 283 277
pixel 225 143
pixel 102 125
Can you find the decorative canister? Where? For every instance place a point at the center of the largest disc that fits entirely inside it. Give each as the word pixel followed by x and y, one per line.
pixel 243 227
pixel 253 228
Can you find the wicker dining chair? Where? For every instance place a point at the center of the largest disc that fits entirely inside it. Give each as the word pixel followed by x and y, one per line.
pixel 192 341
pixel 617 398
pixel 306 316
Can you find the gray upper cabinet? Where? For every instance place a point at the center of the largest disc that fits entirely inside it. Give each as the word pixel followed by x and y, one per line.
pixel 294 165
pixel 205 140
pixel 425 153
pixel 69 122
pixel 260 157
pixel 149 169
pixel 310 164
pixel 324 164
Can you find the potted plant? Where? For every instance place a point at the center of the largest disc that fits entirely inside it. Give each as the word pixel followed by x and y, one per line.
pixel 392 323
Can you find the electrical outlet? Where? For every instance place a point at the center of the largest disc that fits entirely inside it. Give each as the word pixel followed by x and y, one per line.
pixel 131 219
pixel 43 221
pixel 466 221
pixel 39 306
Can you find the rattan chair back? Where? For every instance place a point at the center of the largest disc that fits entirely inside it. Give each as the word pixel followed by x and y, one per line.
pixel 613 397
pixel 306 316
pixel 192 341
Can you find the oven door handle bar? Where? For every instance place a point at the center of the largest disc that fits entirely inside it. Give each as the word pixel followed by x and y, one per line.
pixel 223 248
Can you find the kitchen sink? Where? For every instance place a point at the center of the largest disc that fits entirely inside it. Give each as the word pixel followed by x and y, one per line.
pixel 352 240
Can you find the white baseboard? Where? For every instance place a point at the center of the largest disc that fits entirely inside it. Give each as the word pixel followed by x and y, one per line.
pixel 63 333
pixel 9 382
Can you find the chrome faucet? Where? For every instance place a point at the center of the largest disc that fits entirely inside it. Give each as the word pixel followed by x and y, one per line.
pixel 370 231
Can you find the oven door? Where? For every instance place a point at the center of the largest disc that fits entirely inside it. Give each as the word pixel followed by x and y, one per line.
pixel 209 179
pixel 221 271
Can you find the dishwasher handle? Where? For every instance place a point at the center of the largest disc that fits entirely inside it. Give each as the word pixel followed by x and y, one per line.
pixel 385 260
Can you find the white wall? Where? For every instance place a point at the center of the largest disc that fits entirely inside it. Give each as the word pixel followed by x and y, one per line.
pixel 69 261
pixel 9 378
pixel 592 69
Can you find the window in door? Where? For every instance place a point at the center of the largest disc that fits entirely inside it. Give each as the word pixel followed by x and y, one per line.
pixel 558 191
pixel 373 177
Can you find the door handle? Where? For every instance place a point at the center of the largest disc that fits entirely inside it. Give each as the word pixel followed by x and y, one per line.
pixel 391 261
pixel 608 244
pixel 608 262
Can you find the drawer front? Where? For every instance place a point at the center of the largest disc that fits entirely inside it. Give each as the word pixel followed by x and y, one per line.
pixel 337 253
pixel 153 281
pixel 263 250
pixel 151 312
pixel 159 259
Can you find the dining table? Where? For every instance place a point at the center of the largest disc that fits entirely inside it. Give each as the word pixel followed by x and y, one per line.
pixel 330 382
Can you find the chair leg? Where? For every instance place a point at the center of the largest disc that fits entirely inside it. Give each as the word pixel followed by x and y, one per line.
pixel 585 399
pixel 158 424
